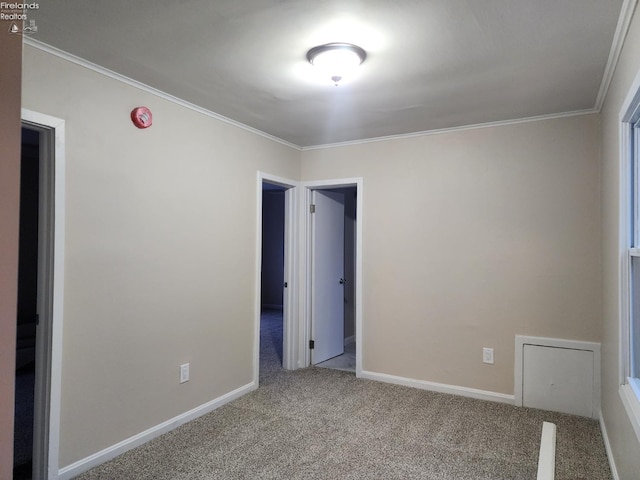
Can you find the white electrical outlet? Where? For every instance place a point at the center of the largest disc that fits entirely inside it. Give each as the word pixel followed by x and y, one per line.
pixel 184 373
pixel 487 355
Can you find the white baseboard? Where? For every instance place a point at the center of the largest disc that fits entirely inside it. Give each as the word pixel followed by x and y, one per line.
pixel 113 451
pixel 349 340
pixel 440 387
pixel 607 447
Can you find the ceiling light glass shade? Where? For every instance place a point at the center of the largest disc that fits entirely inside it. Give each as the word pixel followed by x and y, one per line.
pixel 336 60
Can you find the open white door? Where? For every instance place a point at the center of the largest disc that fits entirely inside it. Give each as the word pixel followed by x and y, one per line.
pixel 327 302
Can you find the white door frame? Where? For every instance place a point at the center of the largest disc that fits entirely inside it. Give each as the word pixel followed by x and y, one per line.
pixel 51 294
pixel 289 327
pixel 305 255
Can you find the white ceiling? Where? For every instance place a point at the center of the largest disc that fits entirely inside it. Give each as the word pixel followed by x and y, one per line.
pixel 431 64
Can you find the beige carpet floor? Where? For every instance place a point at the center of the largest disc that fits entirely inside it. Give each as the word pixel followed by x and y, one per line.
pixel 318 423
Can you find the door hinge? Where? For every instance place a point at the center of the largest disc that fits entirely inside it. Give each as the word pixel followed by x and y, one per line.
pixel 312 208
pixel 312 344
pixel 285 284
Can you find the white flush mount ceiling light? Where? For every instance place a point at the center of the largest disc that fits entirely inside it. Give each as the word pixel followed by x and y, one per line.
pixel 336 60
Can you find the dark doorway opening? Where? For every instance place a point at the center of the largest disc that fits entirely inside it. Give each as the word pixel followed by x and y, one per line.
pixel 272 279
pixel 27 313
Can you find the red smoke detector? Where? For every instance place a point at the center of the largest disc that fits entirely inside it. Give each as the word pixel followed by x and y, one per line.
pixel 141 117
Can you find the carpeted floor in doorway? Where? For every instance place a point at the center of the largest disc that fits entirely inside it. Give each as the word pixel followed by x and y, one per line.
pixel 319 424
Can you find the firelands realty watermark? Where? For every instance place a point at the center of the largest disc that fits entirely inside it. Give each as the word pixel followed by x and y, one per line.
pixel 9 11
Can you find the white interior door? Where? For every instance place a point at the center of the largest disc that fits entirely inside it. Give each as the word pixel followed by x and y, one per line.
pixel 327 280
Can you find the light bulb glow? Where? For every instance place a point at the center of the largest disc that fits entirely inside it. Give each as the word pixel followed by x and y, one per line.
pixel 336 61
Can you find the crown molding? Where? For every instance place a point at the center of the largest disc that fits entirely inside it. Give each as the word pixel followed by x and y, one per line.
pixel 439 131
pixel 624 21
pixel 148 89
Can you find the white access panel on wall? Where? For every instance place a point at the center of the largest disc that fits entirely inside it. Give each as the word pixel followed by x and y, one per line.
pixel 558 375
pixel 558 379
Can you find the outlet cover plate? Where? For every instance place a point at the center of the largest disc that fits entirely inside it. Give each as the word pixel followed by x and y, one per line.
pixel 487 355
pixel 184 373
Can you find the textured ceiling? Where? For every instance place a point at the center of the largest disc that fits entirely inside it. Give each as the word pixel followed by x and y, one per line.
pixel 431 64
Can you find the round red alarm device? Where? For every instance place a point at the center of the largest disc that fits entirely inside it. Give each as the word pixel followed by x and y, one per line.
pixel 141 117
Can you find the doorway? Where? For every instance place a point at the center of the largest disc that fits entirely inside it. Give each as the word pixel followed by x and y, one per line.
pixel 297 288
pixel 272 278
pixel 27 309
pixel 40 297
pixel 334 273
pixel 276 275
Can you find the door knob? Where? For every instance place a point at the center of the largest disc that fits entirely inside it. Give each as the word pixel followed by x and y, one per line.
pixel 342 281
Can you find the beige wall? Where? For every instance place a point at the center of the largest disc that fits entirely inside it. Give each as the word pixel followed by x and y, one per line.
pixel 471 238
pixel 159 253
pixel 10 72
pixel 623 440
